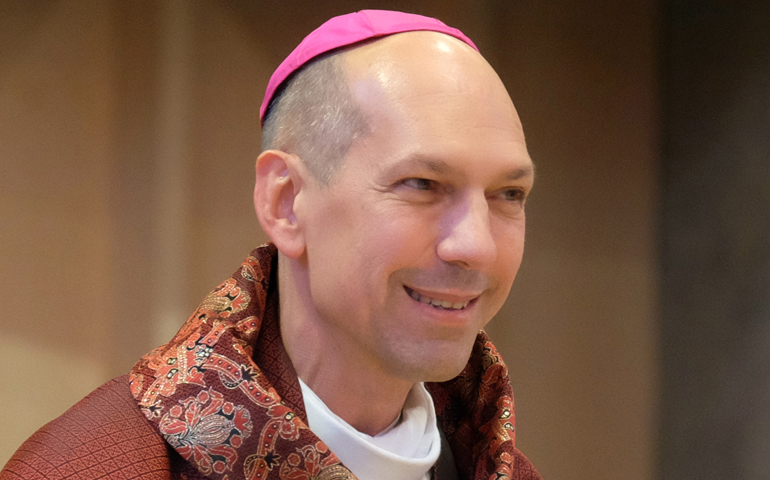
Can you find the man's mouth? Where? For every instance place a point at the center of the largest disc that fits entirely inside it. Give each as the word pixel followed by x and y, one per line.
pixel 437 303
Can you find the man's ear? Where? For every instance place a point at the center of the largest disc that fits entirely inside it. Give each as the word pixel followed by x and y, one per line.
pixel 279 180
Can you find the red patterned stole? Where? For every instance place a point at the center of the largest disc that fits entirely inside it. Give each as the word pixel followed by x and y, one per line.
pixel 225 396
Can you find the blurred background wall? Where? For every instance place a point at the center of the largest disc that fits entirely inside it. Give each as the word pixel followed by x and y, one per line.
pixel 128 134
pixel 715 246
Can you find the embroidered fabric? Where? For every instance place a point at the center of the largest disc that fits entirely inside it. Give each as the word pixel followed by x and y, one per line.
pixel 406 450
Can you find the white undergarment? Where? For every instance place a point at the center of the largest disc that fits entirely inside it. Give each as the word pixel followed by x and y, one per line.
pixel 406 450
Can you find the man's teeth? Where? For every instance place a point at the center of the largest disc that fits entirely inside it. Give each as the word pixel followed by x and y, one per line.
pixel 438 303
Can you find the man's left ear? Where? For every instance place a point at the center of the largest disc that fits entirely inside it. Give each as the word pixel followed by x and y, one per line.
pixel 279 180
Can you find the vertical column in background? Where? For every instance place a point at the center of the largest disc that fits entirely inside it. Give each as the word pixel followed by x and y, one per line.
pixel 171 182
pixel 56 114
pixel 714 241
pixel 135 146
pixel 579 331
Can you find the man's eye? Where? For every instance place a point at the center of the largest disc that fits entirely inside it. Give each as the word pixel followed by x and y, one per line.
pixel 419 183
pixel 513 195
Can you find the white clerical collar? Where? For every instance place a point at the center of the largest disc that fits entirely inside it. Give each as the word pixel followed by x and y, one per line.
pixel 404 451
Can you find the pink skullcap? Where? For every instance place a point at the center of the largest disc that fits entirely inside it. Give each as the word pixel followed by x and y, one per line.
pixel 347 30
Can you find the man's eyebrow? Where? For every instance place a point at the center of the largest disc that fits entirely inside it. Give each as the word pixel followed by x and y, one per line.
pixel 429 163
pixel 528 171
pixel 439 166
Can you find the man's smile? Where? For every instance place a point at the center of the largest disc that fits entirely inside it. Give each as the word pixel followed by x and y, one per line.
pixel 441 301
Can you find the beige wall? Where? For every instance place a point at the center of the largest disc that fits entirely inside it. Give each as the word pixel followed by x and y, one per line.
pixel 127 140
pixel 55 243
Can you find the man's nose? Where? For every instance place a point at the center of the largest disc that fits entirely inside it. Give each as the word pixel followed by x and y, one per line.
pixel 466 231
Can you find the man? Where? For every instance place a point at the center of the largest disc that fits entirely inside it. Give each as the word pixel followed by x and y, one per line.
pixel 392 184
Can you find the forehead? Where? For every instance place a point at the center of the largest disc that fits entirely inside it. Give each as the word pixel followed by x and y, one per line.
pixel 428 95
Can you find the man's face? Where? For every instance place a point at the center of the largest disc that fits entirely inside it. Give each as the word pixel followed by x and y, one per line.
pixel 415 244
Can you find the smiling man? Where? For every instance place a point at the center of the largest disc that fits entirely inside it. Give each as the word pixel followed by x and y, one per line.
pixel 392 184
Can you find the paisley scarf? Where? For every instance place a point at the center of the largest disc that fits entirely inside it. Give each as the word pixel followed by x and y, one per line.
pixel 225 396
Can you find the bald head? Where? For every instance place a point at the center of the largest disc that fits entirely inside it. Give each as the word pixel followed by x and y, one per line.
pixel 397 72
pixel 336 99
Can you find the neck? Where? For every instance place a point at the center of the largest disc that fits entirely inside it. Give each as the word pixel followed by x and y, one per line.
pixel 343 375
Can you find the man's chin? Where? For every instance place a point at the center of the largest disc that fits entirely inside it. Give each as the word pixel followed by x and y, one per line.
pixel 428 360
pixel 433 371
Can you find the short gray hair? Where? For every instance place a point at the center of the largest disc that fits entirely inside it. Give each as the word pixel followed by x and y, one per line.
pixel 315 117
